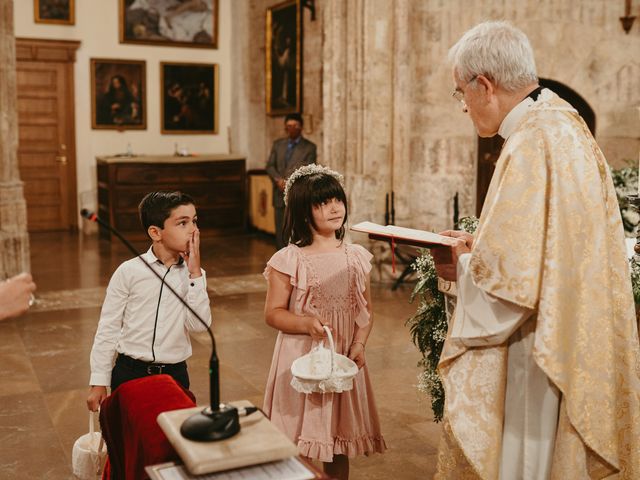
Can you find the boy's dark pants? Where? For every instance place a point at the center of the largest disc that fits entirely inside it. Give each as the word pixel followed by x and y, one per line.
pixel 127 368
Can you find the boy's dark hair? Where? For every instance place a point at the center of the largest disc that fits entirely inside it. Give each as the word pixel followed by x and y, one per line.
pixel 294 116
pixel 303 195
pixel 156 207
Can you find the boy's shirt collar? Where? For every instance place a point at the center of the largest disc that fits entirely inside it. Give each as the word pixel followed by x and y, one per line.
pixel 151 258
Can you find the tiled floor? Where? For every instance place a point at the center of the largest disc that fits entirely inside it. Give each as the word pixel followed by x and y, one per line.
pixel 44 356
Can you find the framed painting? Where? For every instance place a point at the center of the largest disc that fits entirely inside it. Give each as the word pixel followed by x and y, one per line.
pixel 284 58
pixel 179 23
pixel 54 11
pixel 189 103
pixel 118 94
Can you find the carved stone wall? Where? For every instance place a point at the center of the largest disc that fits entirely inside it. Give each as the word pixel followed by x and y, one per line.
pixel 14 240
pixel 390 122
pixel 378 88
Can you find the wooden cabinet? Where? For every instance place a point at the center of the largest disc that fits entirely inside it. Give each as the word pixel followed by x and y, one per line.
pixel 217 184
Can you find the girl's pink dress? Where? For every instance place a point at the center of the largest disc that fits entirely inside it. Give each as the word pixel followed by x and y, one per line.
pixel 330 286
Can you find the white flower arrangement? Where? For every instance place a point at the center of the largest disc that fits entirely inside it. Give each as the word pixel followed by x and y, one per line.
pixel 311 169
pixel 428 327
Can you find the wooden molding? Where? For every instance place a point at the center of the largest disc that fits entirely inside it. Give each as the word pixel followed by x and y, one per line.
pixel 35 49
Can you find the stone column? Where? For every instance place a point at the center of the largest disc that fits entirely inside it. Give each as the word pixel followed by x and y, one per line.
pixel 359 107
pixel 14 239
pixel 358 100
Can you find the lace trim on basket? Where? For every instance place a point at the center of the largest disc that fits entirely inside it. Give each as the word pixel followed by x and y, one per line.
pixel 334 384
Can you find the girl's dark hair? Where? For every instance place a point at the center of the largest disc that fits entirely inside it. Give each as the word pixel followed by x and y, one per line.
pixel 303 195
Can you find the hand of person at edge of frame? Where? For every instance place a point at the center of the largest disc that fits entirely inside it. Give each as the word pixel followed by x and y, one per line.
pixel 16 295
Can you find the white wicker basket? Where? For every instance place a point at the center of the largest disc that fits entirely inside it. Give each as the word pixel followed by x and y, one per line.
pixel 323 370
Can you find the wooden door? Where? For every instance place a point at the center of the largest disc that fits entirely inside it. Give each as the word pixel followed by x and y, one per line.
pixel 46 146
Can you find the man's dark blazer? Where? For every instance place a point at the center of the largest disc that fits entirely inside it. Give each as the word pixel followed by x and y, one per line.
pixel 304 153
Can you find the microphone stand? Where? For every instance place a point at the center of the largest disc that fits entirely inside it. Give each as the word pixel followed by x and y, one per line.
pixel 217 421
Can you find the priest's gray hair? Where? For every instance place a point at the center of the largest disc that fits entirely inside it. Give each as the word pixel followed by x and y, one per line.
pixel 497 50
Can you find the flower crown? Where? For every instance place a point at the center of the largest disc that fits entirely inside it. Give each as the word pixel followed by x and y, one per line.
pixel 306 170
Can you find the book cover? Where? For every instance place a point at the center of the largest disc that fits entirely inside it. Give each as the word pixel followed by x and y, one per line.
pixel 259 441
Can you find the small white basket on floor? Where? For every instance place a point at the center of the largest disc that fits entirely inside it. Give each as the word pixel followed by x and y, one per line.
pixel 89 454
pixel 323 370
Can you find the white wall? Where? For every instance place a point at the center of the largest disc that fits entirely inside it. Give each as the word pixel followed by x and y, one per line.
pixel 96 27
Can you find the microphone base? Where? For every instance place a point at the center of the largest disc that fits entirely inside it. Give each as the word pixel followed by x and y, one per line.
pixel 210 426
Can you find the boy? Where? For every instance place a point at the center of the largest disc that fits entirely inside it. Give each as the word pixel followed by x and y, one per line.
pixel 143 322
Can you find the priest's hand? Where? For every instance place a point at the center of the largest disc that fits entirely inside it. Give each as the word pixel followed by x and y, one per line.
pixel 446 258
pixel 462 235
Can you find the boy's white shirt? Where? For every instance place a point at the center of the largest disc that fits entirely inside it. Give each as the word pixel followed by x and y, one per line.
pixel 129 312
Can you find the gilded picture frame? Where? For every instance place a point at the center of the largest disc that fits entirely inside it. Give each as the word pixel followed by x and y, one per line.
pixel 191 23
pixel 283 70
pixel 189 98
pixel 61 12
pixel 118 94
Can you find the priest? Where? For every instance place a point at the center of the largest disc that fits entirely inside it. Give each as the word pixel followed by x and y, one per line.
pixel 541 365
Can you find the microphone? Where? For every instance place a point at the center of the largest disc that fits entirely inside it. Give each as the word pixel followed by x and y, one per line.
pixel 217 421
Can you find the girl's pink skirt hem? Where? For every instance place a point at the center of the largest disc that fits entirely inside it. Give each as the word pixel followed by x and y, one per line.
pixel 350 447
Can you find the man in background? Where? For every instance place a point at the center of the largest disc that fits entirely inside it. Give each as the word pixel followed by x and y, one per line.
pixel 287 154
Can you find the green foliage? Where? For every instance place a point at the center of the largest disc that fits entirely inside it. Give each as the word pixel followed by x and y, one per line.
pixel 635 280
pixel 428 327
pixel 625 181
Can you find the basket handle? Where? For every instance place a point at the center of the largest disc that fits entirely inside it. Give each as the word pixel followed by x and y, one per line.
pixel 92 431
pixel 91 427
pixel 331 346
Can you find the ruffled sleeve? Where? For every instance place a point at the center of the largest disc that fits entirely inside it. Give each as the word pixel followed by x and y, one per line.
pixel 362 263
pixel 363 257
pixel 290 262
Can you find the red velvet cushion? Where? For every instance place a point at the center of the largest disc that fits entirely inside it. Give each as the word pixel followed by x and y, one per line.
pixel 130 429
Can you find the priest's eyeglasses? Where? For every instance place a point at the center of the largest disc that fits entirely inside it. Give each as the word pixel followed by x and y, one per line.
pixel 458 93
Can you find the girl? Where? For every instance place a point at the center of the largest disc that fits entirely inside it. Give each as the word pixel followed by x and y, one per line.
pixel 317 280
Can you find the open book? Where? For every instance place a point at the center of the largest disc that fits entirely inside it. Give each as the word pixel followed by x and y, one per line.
pixel 408 236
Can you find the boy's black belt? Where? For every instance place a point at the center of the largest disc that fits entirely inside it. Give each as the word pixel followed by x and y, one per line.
pixel 149 367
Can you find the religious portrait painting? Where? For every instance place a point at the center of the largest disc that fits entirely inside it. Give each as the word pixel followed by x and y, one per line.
pixel 179 23
pixel 284 58
pixel 118 100
pixel 54 11
pixel 189 98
